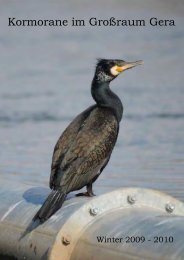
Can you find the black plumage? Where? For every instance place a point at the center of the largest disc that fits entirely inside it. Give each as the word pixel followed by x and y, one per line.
pixel 85 147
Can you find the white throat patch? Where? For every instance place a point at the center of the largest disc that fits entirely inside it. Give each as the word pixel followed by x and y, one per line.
pixel 101 76
pixel 114 71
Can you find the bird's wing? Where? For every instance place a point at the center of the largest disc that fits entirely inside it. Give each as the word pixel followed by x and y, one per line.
pixel 65 141
pixel 89 151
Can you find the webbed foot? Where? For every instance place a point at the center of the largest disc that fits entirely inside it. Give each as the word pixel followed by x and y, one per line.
pixel 87 194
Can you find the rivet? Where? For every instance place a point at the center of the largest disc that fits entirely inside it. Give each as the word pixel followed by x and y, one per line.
pixel 131 199
pixel 169 207
pixel 94 211
pixel 66 240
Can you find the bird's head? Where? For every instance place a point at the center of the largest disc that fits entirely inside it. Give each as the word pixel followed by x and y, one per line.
pixel 107 69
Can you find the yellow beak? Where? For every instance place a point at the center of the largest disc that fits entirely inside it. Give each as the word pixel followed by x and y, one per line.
pixel 128 65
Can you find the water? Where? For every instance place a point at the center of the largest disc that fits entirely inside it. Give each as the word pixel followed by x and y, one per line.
pixel 45 82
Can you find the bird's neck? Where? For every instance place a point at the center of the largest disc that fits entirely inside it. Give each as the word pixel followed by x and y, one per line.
pixel 104 97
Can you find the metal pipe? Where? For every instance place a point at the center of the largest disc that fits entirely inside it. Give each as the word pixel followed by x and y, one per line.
pixel 132 234
pixel 72 232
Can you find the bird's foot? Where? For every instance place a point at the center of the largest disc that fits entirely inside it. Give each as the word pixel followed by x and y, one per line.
pixel 87 194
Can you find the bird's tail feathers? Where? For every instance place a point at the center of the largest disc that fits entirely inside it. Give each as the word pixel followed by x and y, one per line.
pixel 53 202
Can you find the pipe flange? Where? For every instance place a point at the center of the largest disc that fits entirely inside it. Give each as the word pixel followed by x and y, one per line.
pixel 118 199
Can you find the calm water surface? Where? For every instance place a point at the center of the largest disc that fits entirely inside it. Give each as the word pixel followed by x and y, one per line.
pixel 45 82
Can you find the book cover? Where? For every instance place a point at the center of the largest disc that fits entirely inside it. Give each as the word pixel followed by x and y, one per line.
pixel 50 52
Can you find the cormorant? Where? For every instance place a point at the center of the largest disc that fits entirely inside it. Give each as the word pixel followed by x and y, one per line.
pixel 85 147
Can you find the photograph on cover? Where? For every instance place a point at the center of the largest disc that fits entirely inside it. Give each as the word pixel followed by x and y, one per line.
pixel 91 129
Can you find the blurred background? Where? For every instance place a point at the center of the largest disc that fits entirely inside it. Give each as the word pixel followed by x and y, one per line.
pixel 46 74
